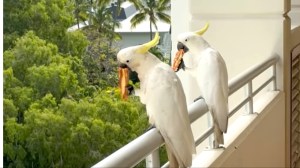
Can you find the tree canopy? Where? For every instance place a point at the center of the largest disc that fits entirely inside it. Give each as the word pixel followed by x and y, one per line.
pixel 62 107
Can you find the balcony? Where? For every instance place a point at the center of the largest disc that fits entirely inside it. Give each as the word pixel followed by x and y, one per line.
pixel 256 132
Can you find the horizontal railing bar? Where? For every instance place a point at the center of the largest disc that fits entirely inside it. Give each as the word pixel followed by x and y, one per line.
pixel 135 151
pixel 242 79
pixel 248 98
pixel 194 114
pixel 205 135
pixel 263 85
pixel 166 165
pixel 147 142
pixel 197 110
pixel 244 102
pixel 130 154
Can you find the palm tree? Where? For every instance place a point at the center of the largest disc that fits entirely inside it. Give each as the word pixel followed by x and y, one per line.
pixel 154 9
pixel 103 20
pixel 80 11
pixel 116 10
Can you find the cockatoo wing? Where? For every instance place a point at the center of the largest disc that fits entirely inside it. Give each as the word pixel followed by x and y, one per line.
pixel 167 109
pixel 213 81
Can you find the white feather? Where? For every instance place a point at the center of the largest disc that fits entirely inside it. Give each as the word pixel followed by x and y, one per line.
pixel 211 76
pixel 166 105
pixel 162 92
pixel 207 66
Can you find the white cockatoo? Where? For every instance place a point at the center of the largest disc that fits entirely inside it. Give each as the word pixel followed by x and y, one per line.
pixel 162 93
pixel 196 57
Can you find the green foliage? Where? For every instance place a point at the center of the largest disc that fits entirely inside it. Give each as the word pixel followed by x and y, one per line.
pixel 61 105
pixel 74 43
pixel 100 60
pixel 80 10
pixel 48 19
pixel 29 50
pixel 40 66
pixel 22 97
pixel 10 110
pixel 103 19
pixel 10 81
pixel 57 79
pixel 74 133
pixel 14 141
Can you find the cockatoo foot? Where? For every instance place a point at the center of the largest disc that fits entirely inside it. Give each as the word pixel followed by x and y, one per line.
pixel 222 147
pixel 198 98
pixel 218 146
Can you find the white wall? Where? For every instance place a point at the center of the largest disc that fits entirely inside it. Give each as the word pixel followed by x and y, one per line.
pixel 180 19
pixel 262 144
pixel 245 32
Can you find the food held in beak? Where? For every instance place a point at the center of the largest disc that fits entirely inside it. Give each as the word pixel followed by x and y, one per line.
pixel 177 59
pixel 123 82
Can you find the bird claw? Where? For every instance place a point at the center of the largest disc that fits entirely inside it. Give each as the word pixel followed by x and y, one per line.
pixel 217 146
pixel 198 98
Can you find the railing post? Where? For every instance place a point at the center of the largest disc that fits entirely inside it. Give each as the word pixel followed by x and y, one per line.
pixel 274 75
pixel 250 95
pixel 152 160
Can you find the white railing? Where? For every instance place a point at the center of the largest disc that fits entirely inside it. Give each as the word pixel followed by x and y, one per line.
pixel 146 146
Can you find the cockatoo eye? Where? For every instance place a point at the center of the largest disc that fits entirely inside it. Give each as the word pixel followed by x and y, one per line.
pixel 127 61
pixel 186 40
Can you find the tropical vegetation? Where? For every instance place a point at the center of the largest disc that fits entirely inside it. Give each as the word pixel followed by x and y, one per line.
pixel 61 100
pixel 153 10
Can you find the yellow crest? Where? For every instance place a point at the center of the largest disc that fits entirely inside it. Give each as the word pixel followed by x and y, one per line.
pixel 203 30
pixel 145 47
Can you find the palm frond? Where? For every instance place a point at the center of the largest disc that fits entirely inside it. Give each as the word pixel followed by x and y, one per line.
pixel 164 4
pixel 137 4
pixel 164 8
pixel 164 17
pixel 137 19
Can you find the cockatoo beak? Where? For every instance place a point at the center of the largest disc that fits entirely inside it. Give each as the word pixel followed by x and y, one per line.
pixel 178 60
pixel 123 80
pixel 180 46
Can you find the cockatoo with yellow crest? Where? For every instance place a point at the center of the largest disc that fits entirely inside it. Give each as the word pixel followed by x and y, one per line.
pixel 162 93
pixel 196 57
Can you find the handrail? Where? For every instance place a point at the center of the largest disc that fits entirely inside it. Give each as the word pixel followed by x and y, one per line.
pixel 243 78
pixel 135 151
pixel 138 149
